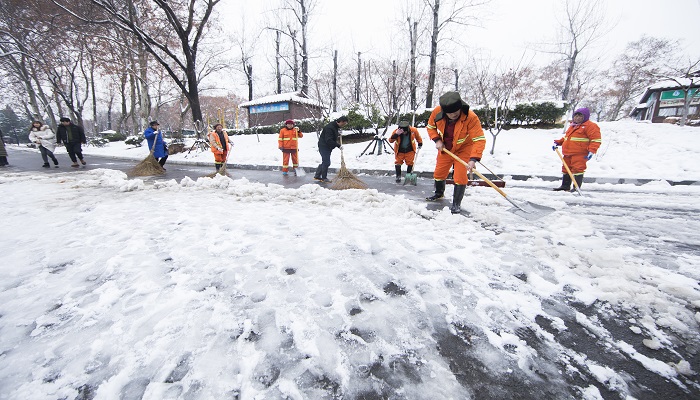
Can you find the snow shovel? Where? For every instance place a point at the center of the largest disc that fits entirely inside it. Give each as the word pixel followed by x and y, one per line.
pixel 568 171
pixel 298 171
pixel 412 177
pixel 526 210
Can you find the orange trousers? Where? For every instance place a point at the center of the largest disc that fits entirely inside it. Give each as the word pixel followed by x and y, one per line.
pixel 285 160
pixel 445 162
pixel 576 163
pixel 220 158
pixel 408 158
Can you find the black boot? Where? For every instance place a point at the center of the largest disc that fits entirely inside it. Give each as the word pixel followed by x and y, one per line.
pixel 409 169
pixel 46 165
pixel 398 173
pixel 439 191
pixel 565 183
pixel 579 181
pixel 457 199
pixel 217 166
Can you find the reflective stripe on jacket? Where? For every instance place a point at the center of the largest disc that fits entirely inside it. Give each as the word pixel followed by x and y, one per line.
pixel 415 136
pixel 288 138
pixel 215 143
pixel 467 132
pixel 580 139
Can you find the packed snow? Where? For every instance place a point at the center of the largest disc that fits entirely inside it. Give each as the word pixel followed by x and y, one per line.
pixel 212 288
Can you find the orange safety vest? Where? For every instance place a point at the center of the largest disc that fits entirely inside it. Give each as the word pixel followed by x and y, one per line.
pixel 215 143
pixel 288 138
pixel 415 136
pixel 580 139
pixel 468 134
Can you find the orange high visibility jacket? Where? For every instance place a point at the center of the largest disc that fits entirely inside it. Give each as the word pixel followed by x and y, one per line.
pixel 415 136
pixel 580 139
pixel 288 138
pixel 468 134
pixel 216 146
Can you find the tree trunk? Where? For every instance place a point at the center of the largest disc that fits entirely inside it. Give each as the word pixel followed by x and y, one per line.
pixel 433 56
pixel 304 53
pixel 249 76
pixel 145 98
pixel 278 73
pixel 569 76
pixel 413 34
pixel 335 81
pixel 359 77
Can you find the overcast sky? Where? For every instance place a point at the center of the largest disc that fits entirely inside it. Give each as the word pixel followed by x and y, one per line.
pixel 508 27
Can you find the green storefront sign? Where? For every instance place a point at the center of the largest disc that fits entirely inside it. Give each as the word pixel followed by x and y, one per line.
pixel 674 98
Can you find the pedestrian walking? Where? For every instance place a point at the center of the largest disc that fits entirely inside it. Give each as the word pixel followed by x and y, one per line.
pixel 453 126
pixel 406 140
pixel 43 136
pixel 73 137
pixel 288 143
pixel 579 144
pixel 154 137
pixel 327 141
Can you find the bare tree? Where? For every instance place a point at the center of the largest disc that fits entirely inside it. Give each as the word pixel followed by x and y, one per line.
pixel 454 12
pixel 687 76
pixel 583 25
pixel 640 64
pixel 301 11
pixel 495 86
pixel 187 21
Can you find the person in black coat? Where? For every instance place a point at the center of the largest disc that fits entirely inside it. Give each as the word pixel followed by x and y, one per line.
pixel 326 143
pixel 73 137
pixel 3 152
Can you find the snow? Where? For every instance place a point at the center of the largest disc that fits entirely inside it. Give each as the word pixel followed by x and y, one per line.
pixel 630 150
pixel 113 287
pixel 276 98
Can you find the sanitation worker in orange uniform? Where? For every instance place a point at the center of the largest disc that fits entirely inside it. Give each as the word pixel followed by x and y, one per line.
pixel 218 140
pixel 404 139
pixel 289 145
pixel 580 142
pixel 453 126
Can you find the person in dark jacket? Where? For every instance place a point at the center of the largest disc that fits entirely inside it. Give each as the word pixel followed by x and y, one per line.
pixel 326 143
pixel 3 152
pixel 155 137
pixel 73 137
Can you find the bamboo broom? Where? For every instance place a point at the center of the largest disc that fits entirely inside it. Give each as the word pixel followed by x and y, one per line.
pixel 345 179
pixel 149 166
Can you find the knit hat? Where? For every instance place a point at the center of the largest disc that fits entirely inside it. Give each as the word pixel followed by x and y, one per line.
pixel 289 121
pixel 451 102
pixel 585 112
pixel 404 124
pixel 153 123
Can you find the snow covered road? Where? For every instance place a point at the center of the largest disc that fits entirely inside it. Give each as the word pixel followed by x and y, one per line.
pixel 118 288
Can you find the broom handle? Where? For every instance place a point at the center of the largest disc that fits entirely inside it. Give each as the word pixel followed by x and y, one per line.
pixel 155 138
pixel 476 172
pixel 568 171
pixel 492 173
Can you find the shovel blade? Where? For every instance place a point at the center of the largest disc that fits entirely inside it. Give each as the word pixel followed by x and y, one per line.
pixel 531 211
pixel 299 171
pixel 411 178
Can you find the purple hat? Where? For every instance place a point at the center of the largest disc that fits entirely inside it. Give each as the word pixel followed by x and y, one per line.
pixel 583 111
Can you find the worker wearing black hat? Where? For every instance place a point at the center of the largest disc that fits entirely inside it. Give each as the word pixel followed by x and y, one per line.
pixel 454 127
